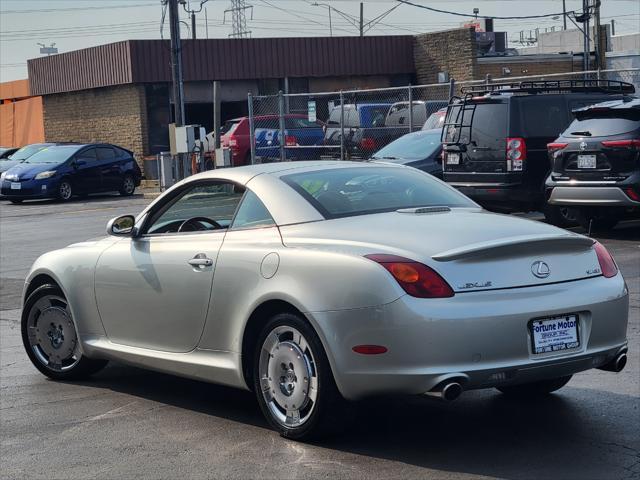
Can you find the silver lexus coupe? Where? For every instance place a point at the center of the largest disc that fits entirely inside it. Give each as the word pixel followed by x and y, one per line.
pixel 318 283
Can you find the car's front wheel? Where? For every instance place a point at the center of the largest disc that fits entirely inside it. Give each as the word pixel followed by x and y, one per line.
pixel 535 389
pixel 128 186
pixel 561 216
pixel 65 190
pixel 50 337
pixel 293 380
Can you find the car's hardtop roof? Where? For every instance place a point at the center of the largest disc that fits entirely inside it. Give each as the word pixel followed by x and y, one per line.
pixel 621 104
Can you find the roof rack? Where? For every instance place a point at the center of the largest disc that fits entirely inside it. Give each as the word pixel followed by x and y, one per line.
pixel 552 86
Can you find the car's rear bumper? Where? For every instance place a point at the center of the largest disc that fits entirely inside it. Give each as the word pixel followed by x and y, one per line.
pixel 511 195
pixel 590 196
pixel 480 338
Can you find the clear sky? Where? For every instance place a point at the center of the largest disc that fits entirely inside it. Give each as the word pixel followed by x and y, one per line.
pixel 75 24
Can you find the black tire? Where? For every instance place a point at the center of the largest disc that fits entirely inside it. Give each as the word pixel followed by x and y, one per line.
pixel 559 216
pixel 65 190
pixel 128 186
pixel 535 389
pixel 78 367
pixel 16 201
pixel 329 412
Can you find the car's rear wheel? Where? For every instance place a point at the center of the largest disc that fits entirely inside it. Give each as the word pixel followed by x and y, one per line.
pixel 561 216
pixel 50 336
pixel 293 380
pixel 535 389
pixel 128 186
pixel 65 190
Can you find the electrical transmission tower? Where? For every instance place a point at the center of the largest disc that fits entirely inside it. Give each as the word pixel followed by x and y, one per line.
pixel 238 18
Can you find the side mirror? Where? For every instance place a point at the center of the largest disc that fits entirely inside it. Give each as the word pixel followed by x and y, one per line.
pixel 121 226
pixel 79 162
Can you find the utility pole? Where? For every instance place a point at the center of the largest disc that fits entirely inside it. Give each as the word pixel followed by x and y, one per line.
pixel 587 48
pixel 193 25
pixel 597 35
pixel 361 19
pixel 238 18
pixel 613 27
pixel 564 14
pixel 176 73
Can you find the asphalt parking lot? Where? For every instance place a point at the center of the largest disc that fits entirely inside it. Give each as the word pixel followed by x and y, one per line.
pixel 131 423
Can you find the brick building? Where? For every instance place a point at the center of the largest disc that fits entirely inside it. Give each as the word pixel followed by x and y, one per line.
pixel 121 92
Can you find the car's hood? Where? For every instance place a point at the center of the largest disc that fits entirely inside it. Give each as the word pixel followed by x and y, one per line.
pixel 473 249
pixel 7 164
pixel 26 171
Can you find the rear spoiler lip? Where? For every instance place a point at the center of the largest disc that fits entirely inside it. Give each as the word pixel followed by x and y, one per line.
pixel 493 245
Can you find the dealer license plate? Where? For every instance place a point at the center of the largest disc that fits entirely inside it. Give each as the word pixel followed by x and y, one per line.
pixel 586 161
pixel 555 334
pixel 453 159
pixel 16 185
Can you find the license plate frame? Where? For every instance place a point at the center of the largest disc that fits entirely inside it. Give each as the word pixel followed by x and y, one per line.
pixel 453 158
pixel 587 162
pixel 561 335
pixel 16 186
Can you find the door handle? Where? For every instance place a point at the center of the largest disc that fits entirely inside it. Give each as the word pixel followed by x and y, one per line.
pixel 200 260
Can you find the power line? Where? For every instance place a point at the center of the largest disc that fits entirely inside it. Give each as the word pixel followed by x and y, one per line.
pixel 239 19
pixel 466 15
pixel 76 9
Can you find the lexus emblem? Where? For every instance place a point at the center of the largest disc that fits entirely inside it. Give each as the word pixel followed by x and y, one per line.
pixel 583 145
pixel 540 269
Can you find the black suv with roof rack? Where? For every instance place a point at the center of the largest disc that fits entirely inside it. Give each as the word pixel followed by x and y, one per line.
pixel 596 164
pixel 495 139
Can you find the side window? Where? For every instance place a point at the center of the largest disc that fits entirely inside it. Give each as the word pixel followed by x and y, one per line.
pixel 88 155
pixel 106 154
pixel 252 213
pixel 202 207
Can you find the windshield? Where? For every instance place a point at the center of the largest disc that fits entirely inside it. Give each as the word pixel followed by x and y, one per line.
pixel 53 154
pixel 345 192
pixel 26 152
pixel 414 146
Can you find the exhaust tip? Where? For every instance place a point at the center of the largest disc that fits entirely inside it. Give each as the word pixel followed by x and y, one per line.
pixel 620 362
pixel 451 391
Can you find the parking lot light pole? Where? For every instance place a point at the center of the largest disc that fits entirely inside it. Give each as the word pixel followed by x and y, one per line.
pixel 329 7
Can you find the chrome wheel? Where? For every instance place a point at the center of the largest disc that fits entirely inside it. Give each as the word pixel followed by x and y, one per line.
pixel 288 376
pixel 64 190
pixel 128 186
pixel 52 335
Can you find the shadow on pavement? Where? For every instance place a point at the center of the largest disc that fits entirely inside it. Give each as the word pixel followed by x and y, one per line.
pixel 576 433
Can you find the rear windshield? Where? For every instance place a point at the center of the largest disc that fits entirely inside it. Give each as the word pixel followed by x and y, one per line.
pixel 414 146
pixel 602 124
pixel 346 192
pixel 300 123
pixel 489 123
pixel 436 120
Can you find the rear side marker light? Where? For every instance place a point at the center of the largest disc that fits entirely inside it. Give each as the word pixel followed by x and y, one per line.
pixel 632 194
pixel 607 263
pixel 630 143
pixel 370 349
pixel 516 154
pixel 416 279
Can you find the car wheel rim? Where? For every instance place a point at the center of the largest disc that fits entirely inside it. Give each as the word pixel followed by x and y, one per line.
pixel 288 376
pixel 65 191
pixel 128 185
pixel 52 334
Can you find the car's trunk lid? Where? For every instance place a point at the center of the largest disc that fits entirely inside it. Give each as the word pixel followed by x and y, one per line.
pixel 471 249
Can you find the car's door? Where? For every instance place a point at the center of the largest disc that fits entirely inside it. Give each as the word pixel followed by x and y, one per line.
pixel 86 173
pixel 110 167
pixel 153 291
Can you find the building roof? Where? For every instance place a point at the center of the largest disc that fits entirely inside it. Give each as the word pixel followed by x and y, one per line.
pixel 141 61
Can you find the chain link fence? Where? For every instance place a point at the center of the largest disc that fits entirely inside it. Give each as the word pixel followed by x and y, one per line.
pixel 354 124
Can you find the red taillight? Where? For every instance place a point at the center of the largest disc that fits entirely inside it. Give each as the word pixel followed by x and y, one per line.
pixel 629 143
pixel 290 141
pixel 368 144
pixel 516 154
pixel 632 194
pixel 370 349
pixel 416 279
pixel 554 147
pixel 606 261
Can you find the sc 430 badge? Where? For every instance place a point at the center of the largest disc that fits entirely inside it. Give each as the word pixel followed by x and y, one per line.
pixel 475 285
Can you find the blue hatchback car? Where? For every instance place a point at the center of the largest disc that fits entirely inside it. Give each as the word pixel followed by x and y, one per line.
pixel 64 170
